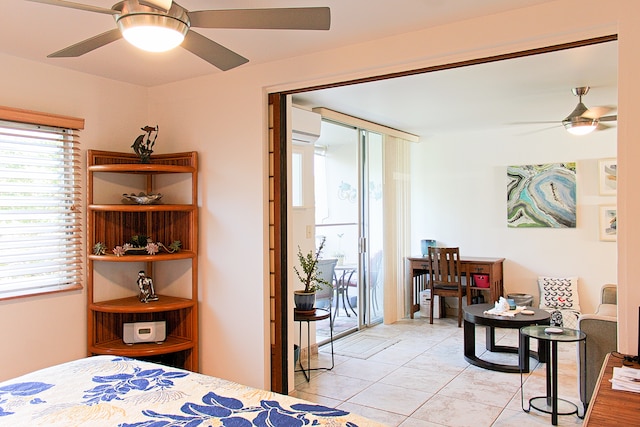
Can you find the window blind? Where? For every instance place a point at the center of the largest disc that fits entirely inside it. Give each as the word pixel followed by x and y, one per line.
pixel 40 216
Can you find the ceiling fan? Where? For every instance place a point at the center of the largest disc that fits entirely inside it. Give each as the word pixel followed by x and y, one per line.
pixel 166 17
pixel 583 120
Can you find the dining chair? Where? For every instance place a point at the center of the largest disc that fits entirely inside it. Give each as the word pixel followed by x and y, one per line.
pixel 445 278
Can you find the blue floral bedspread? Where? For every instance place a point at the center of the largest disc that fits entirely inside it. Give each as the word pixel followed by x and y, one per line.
pixel 118 391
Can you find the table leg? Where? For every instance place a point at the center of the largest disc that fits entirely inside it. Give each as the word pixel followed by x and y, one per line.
pixel 524 352
pixel 469 339
pixel 304 372
pixel 554 376
pixel 583 384
pixel 490 341
pixel 346 293
pixel 333 363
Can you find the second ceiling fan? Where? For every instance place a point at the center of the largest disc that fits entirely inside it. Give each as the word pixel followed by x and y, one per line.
pixel 168 17
pixel 583 120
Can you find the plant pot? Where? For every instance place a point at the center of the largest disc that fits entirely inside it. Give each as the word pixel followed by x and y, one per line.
pixel 304 301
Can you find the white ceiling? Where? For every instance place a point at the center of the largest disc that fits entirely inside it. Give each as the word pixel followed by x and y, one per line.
pixel 32 30
pixel 487 96
pixel 482 96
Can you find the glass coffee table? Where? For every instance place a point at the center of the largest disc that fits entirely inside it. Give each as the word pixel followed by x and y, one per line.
pixel 551 403
pixel 475 315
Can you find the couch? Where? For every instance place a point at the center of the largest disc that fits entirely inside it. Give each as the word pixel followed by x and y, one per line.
pixel 601 329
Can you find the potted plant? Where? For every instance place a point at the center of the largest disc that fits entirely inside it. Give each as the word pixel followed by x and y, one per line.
pixel 305 299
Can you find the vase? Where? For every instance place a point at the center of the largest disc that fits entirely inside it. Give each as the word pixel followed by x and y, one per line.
pixel 425 245
pixel 304 301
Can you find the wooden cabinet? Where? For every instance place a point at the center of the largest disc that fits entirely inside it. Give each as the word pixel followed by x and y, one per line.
pixel 491 267
pixel 112 290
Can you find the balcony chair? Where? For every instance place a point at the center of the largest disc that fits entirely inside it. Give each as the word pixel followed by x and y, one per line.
pixel 324 296
pixel 445 278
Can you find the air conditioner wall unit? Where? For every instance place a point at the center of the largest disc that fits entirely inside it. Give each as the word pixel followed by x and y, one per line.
pixel 305 126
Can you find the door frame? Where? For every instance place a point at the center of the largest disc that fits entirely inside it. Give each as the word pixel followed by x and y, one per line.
pixel 278 197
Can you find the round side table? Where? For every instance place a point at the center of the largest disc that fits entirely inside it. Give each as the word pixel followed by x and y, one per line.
pixel 551 403
pixel 317 315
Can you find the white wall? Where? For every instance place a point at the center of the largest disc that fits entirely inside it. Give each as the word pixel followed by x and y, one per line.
pixel 39 331
pixel 459 198
pixel 224 117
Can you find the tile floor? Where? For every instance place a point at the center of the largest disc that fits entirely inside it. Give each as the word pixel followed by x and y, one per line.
pixel 423 380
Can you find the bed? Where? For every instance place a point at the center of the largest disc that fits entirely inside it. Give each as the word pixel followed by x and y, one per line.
pixel 119 391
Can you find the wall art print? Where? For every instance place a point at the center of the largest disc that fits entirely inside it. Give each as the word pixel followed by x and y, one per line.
pixel 608 223
pixel 542 195
pixel 608 176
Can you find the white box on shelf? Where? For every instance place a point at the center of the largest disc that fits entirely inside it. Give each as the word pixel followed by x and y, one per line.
pixel 425 302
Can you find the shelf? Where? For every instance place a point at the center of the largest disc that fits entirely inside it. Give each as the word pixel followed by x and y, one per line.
pixel 117 227
pixel 163 256
pixel 142 208
pixel 133 305
pixel 118 347
pixel 113 223
pixel 478 288
pixel 139 168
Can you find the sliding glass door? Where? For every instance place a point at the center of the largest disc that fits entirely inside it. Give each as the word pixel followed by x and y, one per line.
pixel 337 220
pixel 371 227
pixel 348 206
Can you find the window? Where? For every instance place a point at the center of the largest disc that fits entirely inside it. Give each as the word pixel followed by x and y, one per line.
pixel 40 217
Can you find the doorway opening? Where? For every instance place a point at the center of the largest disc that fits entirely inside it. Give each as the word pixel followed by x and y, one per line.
pixel 280 149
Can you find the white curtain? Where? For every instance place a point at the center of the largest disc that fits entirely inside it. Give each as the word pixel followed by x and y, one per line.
pixel 397 228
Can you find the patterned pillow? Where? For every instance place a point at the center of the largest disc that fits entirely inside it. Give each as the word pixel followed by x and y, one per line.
pixel 558 292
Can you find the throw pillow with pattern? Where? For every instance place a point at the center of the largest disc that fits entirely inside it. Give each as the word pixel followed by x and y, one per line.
pixel 559 293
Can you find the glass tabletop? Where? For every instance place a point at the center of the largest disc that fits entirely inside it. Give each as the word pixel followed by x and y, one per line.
pixel 552 333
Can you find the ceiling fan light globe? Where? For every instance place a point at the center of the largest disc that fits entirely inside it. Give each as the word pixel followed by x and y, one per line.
pixel 580 127
pixel 151 32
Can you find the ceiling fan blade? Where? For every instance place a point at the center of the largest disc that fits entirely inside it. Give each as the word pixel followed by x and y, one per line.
pixel 79 6
pixel 88 45
pixel 602 126
pixel 212 52
pixel 295 18
pixel 536 123
pixel 163 5
pixel 608 118
pixel 597 112
pixel 544 129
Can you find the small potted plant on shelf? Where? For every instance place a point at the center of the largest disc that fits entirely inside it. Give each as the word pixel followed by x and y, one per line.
pixel 305 299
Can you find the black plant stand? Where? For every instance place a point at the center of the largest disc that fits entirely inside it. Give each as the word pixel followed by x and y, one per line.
pixel 319 314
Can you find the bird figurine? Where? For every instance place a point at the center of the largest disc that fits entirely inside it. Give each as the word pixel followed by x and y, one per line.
pixel 143 148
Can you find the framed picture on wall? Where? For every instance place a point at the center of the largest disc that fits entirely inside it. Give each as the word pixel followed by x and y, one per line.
pixel 608 223
pixel 608 176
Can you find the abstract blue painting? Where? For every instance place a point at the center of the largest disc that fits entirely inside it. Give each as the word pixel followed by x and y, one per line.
pixel 542 195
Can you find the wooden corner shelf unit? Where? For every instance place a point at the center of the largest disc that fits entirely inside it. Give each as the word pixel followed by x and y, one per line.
pixel 112 292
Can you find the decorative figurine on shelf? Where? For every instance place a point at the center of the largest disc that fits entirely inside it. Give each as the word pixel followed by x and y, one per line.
pixel 147 293
pixel 142 147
